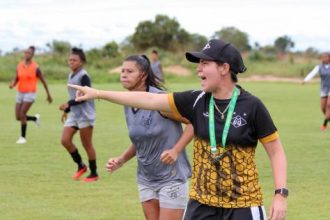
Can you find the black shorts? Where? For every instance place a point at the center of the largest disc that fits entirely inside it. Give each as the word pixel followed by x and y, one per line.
pixel 199 211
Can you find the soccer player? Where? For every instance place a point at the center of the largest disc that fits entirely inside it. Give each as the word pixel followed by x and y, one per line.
pixel 156 66
pixel 26 79
pixel 228 122
pixel 163 167
pixel 324 70
pixel 81 117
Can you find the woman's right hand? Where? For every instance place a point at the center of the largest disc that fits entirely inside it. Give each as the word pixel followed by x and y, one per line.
pixel 84 92
pixel 11 85
pixel 63 106
pixel 114 164
pixel 64 117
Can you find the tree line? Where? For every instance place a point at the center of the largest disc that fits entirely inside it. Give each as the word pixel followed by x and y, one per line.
pixel 166 33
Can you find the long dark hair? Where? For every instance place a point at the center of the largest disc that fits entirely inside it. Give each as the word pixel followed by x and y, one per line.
pixel 233 75
pixel 79 52
pixel 143 64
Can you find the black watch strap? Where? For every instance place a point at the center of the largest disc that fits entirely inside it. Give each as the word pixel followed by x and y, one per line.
pixel 282 191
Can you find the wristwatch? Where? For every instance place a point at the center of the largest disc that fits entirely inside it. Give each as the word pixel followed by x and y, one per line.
pixel 282 191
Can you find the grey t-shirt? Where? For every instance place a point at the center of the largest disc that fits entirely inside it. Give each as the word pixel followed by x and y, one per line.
pixel 325 75
pixel 151 134
pixel 85 110
pixel 156 69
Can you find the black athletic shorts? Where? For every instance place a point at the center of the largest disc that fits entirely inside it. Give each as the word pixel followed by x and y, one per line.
pixel 199 211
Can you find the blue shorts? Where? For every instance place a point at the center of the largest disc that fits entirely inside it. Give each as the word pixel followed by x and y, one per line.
pixel 25 97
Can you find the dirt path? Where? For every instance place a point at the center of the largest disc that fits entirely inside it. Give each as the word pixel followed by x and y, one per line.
pixel 182 71
pixel 260 78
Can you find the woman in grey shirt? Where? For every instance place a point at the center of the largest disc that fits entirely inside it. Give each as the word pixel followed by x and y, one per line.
pixel 81 117
pixel 162 171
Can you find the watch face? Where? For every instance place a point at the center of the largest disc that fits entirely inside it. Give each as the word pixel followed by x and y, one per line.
pixel 283 192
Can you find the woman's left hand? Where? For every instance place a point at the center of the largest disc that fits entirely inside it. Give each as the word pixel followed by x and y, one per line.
pixel 169 156
pixel 278 208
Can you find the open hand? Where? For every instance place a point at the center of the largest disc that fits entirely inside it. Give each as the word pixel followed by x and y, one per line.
pixel 278 208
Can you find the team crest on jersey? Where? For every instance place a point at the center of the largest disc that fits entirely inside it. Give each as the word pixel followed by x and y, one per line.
pixel 146 121
pixel 238 121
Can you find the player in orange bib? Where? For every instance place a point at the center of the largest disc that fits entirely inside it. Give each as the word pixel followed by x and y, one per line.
pixel 26 79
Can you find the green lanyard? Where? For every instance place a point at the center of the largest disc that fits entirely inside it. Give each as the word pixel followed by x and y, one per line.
pixel 232 105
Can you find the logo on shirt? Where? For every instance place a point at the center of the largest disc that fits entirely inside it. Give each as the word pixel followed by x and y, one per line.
pixel 206 114
pixel 146 121
pixel 238 121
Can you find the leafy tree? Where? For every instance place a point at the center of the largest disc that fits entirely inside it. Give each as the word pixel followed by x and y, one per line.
pixel 283 44
pixel 197 42
pixel 163 32
pixel 111 49
pixel 233 35
pixel 59 47
pixel 311 52
pixel 104 56
pixel 268 49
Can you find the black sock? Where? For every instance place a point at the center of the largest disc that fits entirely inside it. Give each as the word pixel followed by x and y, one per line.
pixel 23 130
pixel 31 118
pixel 325 122
pixel 77 159
pixel 92 167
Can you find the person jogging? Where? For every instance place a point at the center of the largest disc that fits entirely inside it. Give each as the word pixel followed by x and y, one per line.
pixel 324 70
pixel 163 167
pixel 26 80
pixel 228 122
pixel 81 117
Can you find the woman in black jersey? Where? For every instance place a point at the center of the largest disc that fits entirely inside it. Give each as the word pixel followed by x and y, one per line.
pixel 228 123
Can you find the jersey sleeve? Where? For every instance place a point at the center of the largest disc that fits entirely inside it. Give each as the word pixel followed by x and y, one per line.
pixel 181 104
pixel 85 81
pixel 264 126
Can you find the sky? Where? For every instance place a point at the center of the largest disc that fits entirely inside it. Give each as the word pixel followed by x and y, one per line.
pixel 93 23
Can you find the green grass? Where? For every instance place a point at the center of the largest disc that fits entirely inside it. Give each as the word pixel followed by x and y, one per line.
pixel 35 177
pixel 55 68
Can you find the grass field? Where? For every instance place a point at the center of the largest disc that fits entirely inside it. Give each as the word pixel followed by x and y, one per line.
pixel 36 177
